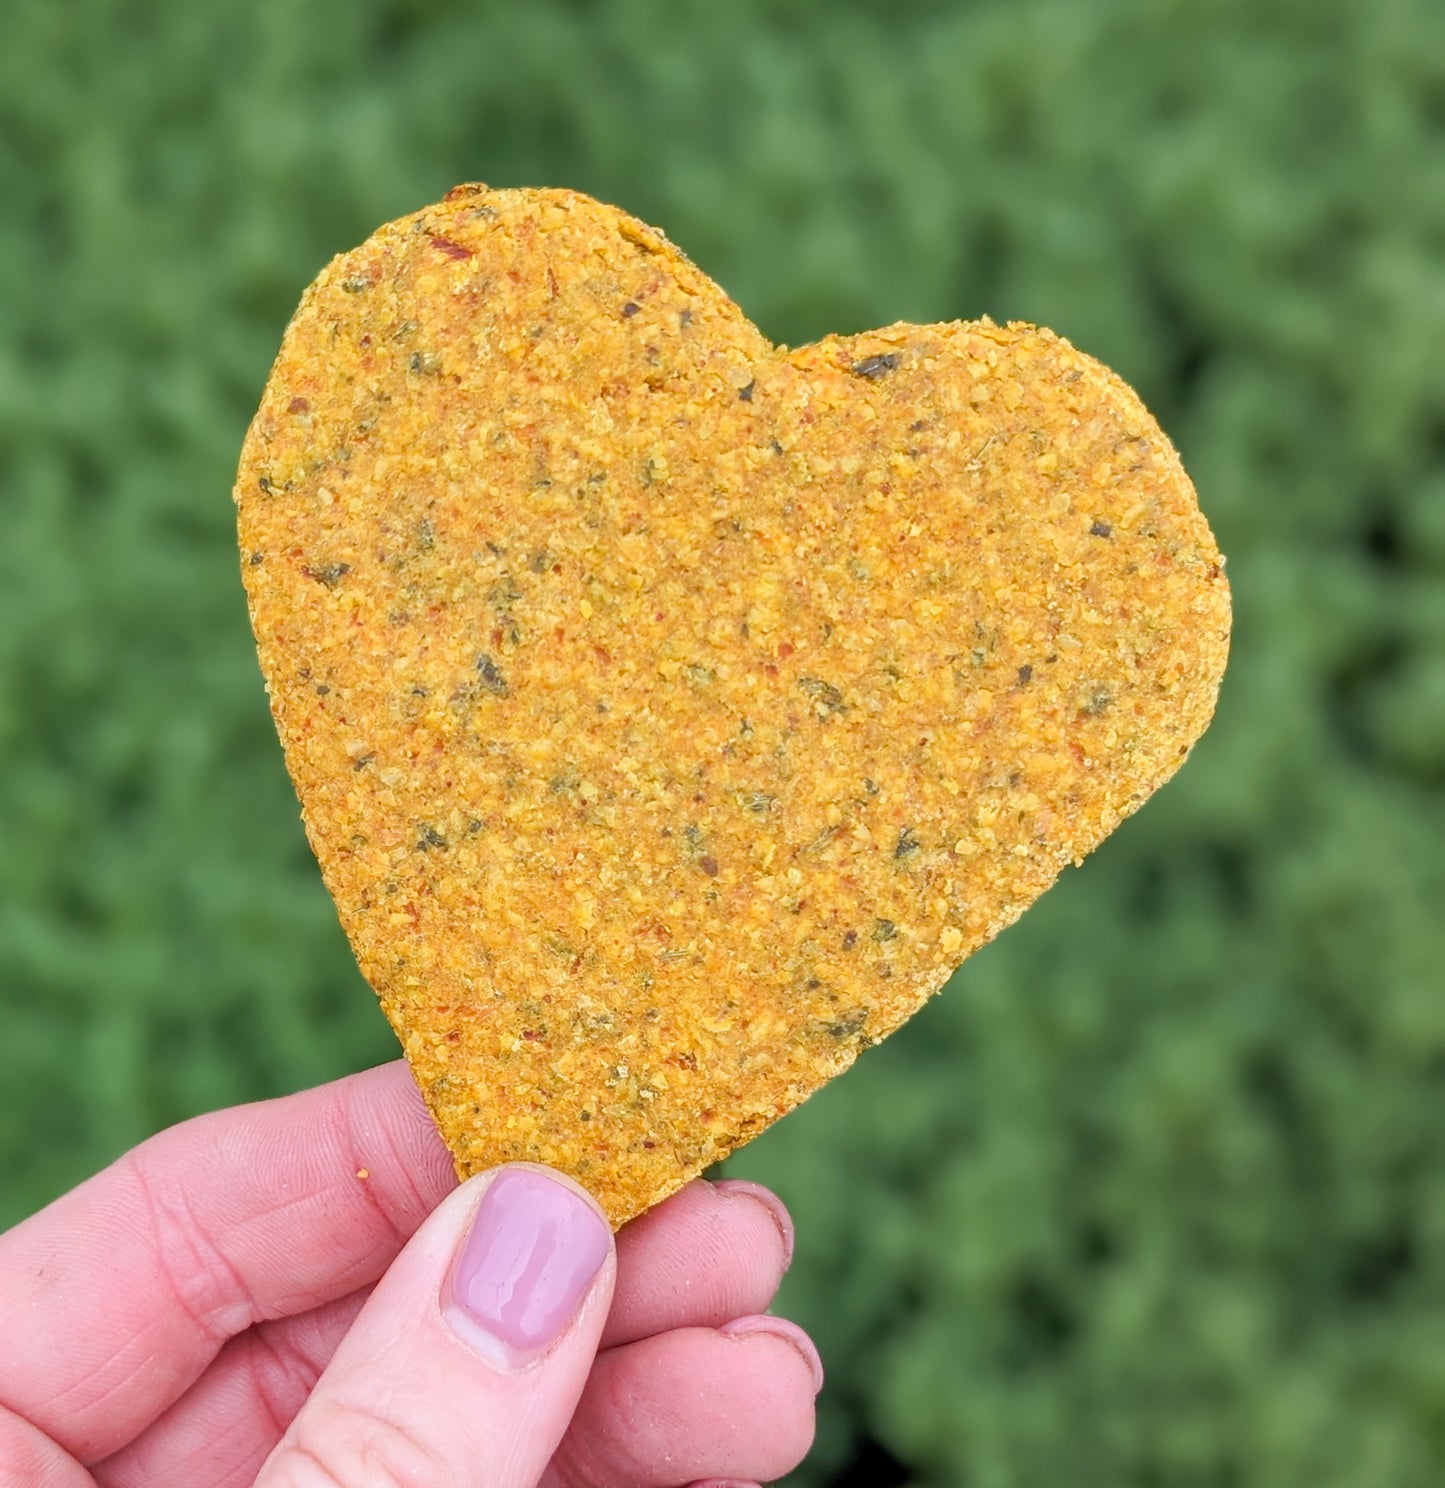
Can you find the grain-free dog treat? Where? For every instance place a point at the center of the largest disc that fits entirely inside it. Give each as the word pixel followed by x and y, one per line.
pixel 672 712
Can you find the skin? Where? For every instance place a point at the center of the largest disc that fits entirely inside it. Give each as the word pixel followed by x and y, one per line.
pixel 249 1297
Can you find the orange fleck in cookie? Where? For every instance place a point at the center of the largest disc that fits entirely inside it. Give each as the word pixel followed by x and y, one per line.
pixel 672 712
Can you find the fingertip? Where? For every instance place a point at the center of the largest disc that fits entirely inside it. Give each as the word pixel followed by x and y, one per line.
pixel 706 1254
pixel 746 1189
pixel 788 1332
pixel 693 1406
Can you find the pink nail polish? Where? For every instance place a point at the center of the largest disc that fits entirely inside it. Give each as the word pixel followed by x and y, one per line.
pixel 745 1188
pixel 533 1250
pixel 791 1333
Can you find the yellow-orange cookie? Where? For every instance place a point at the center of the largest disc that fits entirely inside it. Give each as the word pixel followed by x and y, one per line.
pixel 671 712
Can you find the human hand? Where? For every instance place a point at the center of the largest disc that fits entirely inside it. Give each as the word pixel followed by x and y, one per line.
pixel 296 1293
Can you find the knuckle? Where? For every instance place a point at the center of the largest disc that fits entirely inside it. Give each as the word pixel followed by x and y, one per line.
pixel 278 1380
pixel 295 1466
pixel 336 1444
pixel 209 1291
pixel 398 1219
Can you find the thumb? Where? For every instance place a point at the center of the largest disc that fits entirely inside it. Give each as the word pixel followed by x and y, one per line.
pixel 465 1365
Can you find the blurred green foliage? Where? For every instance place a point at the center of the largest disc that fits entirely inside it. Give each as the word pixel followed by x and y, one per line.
pixel 1154 1195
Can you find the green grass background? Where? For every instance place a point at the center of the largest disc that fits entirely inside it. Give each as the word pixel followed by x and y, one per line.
pixel 1154 1195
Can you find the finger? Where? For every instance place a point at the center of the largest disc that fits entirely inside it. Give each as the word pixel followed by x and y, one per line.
pixel 711 1252
pixel 707 1254
pixel 735 1403
pixel 30 1459
pixel 465 1365
pixel 116 1297
pixel 226 1425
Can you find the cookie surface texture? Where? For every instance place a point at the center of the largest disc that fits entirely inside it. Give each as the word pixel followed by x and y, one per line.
pixel 672 712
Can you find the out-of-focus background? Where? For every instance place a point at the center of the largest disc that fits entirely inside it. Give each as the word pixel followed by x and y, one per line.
pixel 1153 1196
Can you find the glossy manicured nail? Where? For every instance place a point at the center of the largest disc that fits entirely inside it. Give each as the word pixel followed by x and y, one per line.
pixel 532 1253
pixel 747 1327
pixel 744 1188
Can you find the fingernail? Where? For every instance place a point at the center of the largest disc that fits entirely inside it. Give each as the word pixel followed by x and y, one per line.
pixel 743 1188
pixel 746 1327
pixel 533 1251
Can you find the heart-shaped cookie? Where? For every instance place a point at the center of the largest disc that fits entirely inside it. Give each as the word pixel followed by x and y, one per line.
pixel 671 712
